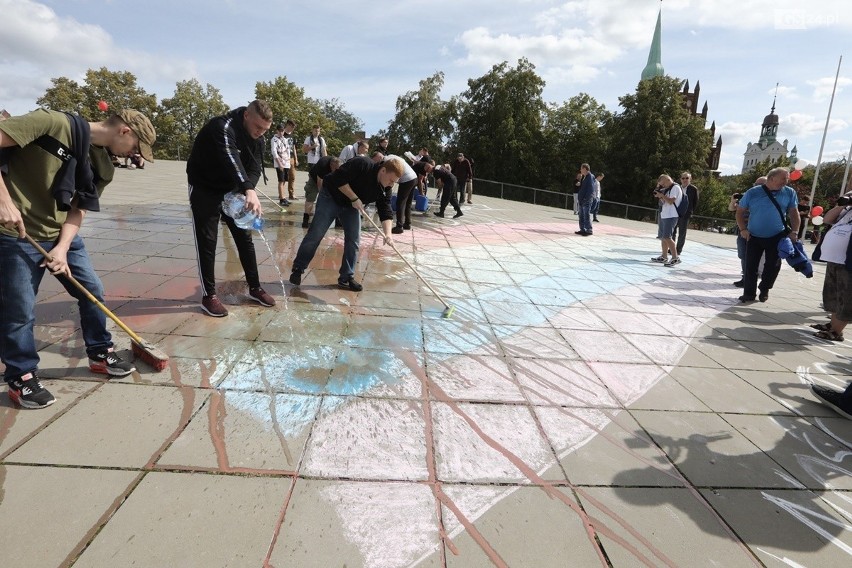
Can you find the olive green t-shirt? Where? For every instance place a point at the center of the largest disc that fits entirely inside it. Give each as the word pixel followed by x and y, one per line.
pixel 32 169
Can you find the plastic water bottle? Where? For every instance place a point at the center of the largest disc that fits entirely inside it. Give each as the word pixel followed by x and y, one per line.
pixel 234 206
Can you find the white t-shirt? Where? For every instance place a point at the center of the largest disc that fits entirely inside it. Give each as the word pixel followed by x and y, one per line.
pixel 280 154
pixel 316 154
pixel 836 241
pixel 409 173
pixel 670 209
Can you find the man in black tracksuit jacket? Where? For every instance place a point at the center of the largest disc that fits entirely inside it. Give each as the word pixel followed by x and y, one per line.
pixel 343 195
pixel 227 156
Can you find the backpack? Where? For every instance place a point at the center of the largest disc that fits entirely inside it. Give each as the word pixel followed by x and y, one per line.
pixel 683 206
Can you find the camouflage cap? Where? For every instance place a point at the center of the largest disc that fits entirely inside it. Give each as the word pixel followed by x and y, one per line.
pixel 144 130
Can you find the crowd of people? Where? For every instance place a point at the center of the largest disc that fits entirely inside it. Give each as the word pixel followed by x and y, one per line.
pixel 227 155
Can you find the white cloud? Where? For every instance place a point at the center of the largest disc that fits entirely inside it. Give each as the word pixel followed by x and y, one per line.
pixel 824 85
pixel 36 44
pixel 800 125
pixel 785 92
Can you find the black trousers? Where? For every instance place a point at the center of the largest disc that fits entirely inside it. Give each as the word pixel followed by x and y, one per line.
pixel 404 197
pixel 679 233
pixel 462 184
pixel 755 247
pixel 448 196
pixel 206 213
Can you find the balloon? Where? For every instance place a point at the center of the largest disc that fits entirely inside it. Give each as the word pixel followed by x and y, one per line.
pixel 800 164
pixel 817 221
pixel 103 106
pixel 795 174
pixel 816 211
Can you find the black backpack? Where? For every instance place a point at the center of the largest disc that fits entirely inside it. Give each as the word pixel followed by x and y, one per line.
pixel 683 206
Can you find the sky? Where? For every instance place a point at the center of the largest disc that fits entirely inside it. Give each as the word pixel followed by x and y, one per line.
pixel 367 54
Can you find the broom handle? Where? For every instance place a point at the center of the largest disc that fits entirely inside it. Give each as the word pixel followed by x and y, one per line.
pixel 88 294
pixel 437 295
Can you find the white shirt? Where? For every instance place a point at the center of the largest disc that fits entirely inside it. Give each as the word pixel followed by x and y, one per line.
pixel 280 152
pixel 670 209
pixel 597 189
pixel 409 173
pixel 316 154
pixel 348 153
pixel 836 240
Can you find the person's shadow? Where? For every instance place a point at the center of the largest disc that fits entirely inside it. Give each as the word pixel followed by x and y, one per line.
pixel 768 499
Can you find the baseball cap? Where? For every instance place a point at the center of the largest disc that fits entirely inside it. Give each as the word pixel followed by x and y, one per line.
pixel 144 130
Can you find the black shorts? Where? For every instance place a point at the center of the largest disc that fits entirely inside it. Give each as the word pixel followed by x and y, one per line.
pixel 282 174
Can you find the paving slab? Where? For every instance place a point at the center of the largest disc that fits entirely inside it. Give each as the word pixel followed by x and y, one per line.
pixel 583 406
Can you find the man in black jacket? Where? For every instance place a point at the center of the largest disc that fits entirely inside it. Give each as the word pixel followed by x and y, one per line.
pixel 679 233
pixel 343 195
pixel 227 156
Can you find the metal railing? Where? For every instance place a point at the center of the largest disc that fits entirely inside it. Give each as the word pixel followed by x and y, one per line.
pixel 562 200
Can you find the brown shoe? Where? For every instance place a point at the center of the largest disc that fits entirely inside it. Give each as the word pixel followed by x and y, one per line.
pixel 213 306
pixel 260 296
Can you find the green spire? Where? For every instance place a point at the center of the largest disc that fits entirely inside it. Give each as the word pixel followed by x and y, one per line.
pixel 654 68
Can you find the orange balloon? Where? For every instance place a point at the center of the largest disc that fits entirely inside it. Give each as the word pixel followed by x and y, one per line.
pixel 795 174
pixel 816 211
pixel 103 106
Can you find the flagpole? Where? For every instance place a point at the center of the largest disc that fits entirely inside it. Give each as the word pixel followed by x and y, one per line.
pixel 822 144
pixel 846 171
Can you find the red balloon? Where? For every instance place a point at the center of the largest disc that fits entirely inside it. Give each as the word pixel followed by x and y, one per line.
pixel 816 211
pixel 103 106
pixel 795 174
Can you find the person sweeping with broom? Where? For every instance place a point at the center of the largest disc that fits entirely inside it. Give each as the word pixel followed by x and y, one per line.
pixel 55 166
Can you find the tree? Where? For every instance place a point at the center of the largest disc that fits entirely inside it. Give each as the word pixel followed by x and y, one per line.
pixel 422 119
pixel 64 95
pixel 653 135
pixel 117 88
pixel 500 119
pixel 288 101
pixel 182 116
pixel 573 135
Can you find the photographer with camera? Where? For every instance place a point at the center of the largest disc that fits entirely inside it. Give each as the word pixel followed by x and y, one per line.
pixel 669 194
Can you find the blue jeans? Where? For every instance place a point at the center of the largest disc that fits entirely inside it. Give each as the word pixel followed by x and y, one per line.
pixel 19 265
pixel 596 206
pixel 585 216
pixel 741 251
pixel 327 210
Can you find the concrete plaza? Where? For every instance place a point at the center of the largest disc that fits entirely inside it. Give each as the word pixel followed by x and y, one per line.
pixel 582 407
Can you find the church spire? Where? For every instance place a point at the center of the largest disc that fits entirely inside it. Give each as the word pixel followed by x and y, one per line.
pixel 654 67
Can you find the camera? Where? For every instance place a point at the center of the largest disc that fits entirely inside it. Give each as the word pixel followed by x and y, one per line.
pixel 844 200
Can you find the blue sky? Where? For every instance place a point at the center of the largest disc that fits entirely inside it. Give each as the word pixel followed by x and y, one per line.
pixel 366 54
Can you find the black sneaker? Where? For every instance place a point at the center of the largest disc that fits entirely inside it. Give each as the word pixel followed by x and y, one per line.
pixel 673 262
pixel 296 277
pixel 108 362
pixel 26 391
pixel 397 230
pixel 283 203
pixel 458 214
pixel 439 213
pixel 406 226
pixel 349 284
pixel 833 399
pixel 740 283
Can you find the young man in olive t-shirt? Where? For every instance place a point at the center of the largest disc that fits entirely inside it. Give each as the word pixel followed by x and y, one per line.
pixel 51 213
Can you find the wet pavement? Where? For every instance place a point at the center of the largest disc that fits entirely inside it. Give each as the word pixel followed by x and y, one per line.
pixel 583 406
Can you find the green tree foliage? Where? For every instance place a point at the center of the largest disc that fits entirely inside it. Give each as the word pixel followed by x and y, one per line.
pixel 288 101
pixel 572 136
pixel 64 95
pixel 654 134
pixel 500 119
pixel 422 119
pixel 182 116
pixel 346 124
pixel 117 88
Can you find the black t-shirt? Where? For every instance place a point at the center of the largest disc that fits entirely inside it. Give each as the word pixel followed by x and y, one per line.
pixel 445 176
pixel 420 168
pixel 320 169
pixel 362 175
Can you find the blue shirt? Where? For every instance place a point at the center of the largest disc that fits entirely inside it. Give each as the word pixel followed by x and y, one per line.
pixel 763 218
